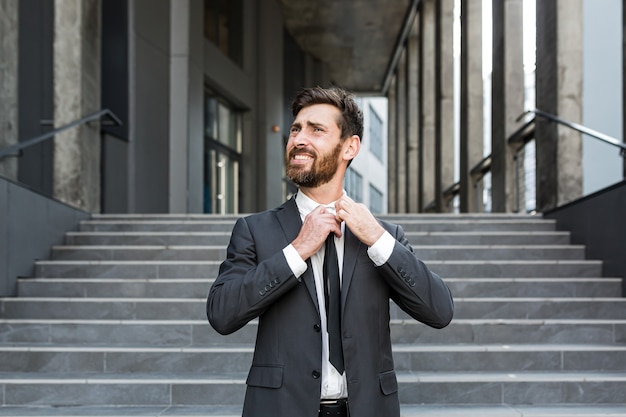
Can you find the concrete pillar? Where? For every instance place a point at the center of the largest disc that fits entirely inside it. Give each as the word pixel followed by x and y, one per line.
pixel 444 118
pixel 8 83
pixel 392 148
pixel 624 90
pixel 195 115
pixel 559 92
pixel 428 104
pixel 76 94
pixel 270 101
pixel 401 133
pixel 413 125
pixel 507 99
pixel 186 136
pixel 471 149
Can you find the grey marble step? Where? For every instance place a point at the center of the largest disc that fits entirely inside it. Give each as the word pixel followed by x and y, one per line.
pixel 116 332
pixel 389 217
pixel 210 360
pixel 208 269
pixel 158 238
pixel 213 252
pixel 410 225
pixel 199 287
pixel 406 410
pixel 195 308
pixel 154 389
pixel 222 238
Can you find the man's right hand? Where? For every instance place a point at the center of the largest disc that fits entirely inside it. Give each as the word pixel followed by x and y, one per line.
pixel 316 227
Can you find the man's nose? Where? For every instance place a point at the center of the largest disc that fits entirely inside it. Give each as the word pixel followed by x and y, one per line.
pixel 300 139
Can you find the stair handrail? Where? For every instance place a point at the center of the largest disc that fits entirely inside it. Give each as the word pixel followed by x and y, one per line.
pixel 523 135
pixel 17 149
pixel 575 126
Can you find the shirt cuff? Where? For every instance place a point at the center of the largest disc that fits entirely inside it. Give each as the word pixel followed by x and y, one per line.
pixel 381 250
pixel 297 265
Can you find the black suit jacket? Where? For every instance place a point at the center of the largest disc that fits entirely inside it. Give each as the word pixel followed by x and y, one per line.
pixel 255 281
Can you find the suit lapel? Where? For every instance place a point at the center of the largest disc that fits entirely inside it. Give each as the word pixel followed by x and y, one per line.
pixel 289 218
pixel 350 253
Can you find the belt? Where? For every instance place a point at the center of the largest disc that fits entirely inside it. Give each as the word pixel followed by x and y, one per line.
pixel 334 408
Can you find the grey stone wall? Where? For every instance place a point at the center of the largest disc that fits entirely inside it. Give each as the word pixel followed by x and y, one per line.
pixel 8 83
pixel 77 94
pixel 29 225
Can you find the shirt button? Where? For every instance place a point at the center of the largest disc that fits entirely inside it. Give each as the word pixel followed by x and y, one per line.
pixel 317 327
pixel 315 374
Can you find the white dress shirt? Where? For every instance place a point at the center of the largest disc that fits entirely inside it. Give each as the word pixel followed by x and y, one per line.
pixel 333 384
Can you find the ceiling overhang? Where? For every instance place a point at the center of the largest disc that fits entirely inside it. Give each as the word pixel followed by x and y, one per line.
pixel 358 40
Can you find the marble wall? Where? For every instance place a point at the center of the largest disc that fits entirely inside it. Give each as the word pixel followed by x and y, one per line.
pixel 8 83
pixel 77 94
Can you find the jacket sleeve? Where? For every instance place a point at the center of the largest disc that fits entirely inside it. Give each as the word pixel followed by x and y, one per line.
pixel 246 286
pixel 416 289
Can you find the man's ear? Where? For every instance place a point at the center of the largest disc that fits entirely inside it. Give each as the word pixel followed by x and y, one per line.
pixel 353 145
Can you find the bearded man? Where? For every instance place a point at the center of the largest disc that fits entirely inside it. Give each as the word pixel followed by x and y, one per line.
pixel 319 273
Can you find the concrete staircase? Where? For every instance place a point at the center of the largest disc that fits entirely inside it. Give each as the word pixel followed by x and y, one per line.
pixel 114 324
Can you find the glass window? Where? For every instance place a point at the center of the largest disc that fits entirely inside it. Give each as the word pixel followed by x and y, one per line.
pixel 223 26
pixel 376 134
pixel 353 183
pixel 376 200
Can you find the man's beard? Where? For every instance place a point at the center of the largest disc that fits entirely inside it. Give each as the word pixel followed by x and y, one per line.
pixel 321 172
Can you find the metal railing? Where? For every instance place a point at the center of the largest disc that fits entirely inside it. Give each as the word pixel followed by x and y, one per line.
pixel 17 149
pixel 521 137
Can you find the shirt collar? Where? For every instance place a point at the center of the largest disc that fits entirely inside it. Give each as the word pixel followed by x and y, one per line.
pixel 306 204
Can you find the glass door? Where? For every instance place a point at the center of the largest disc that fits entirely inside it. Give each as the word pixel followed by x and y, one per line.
pixel 222 155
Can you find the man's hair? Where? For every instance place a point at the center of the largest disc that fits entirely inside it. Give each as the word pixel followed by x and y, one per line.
pixel 351 122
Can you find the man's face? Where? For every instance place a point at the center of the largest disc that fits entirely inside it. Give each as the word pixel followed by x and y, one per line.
pixel 314 146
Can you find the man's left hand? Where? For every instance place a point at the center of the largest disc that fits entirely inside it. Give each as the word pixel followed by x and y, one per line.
pixel 359 220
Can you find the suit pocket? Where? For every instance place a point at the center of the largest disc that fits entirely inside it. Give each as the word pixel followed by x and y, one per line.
pixel 265 376
pixel 388 382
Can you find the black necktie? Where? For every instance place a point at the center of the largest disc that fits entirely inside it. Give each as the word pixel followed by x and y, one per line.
pixel 332 293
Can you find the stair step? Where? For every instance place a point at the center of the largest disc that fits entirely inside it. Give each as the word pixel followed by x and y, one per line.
pixel 140 389
pixel 212 252
pixel 204 269
pixel 199 287
pixel 199 332
pixel 150 238
pixel 220 359
pixel 420 225
pixel 222 238
pixel 406 410
pixel 184 308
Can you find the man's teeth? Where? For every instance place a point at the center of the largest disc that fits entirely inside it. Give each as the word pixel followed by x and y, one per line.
pixel 301 157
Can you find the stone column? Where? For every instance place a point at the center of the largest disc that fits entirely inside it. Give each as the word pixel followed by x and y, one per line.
pixel 392 146
pixel 471 104
pixel 401 133
pixel 179 106
pixel 77 94
pixel 413 125
pixel 428 103
pixel 507 99
pixel 559 92
pixel 444 119
pixel 8 83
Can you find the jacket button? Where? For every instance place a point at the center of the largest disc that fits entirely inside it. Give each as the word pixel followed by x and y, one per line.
pixel 317 327
pixel 315 374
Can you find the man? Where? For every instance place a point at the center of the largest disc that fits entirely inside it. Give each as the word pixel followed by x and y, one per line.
pixel 275 271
